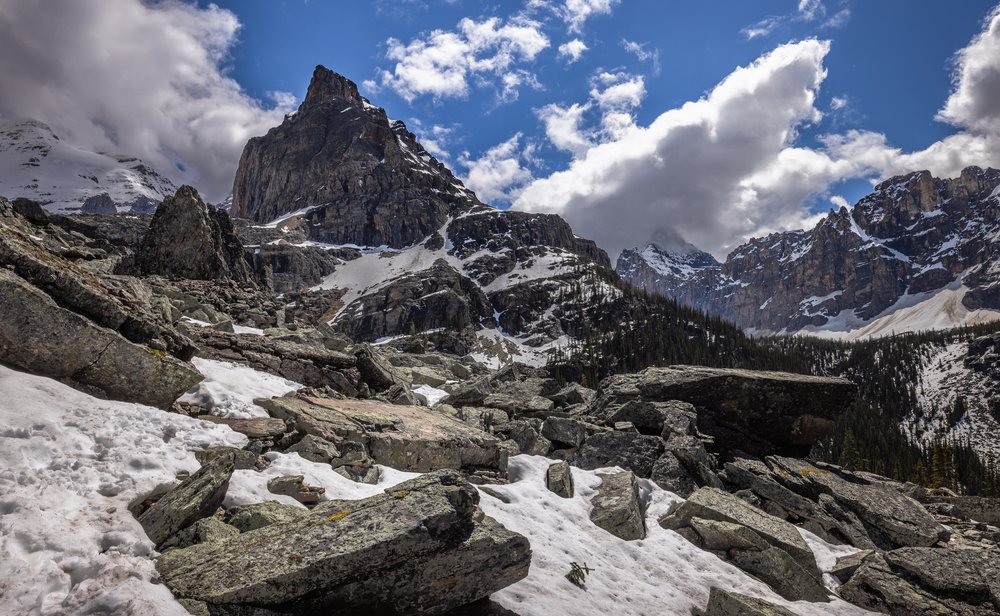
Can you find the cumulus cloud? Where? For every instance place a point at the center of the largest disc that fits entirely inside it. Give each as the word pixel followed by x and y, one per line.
pixel 727 167
pixel 572 50
pixel 716 170
pixel 442 63
pixel 143 79
pixel 500 173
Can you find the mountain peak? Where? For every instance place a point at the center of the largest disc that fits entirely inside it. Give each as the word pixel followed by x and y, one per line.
pixel 327 85
pixel 671 242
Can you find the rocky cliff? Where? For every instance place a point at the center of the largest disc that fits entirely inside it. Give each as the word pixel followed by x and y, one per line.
pixel 917 253
pixel 410 249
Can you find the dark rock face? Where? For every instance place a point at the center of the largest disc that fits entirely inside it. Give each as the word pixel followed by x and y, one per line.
pixel 286 268
pixel 101 204
pixel 728 603
pixel 752 411
pixel 617 507
pixel 913 234
pixel 438 297
pixel 421 548
pixel 372 182
pixel 192 240
pixel 927 581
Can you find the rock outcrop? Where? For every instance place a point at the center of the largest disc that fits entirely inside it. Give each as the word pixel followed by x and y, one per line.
pixel 101 204
pixel 617 507
pixel 192 240
pixel 43 338
pixel 751 411
pixel 403 437
pixel 420 548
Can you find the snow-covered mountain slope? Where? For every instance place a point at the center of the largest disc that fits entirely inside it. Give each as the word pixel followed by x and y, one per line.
pixel 68 544
pixel 37 164
pixel 917 253
pixel 512 302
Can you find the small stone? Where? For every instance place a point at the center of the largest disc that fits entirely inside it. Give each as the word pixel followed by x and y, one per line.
pixel 559 479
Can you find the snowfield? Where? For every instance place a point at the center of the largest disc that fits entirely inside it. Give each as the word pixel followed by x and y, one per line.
pixel 70 464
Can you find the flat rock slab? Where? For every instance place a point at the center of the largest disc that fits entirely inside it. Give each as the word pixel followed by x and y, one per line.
pixel 254 427
pixel 410 438
pixel 715 504
pixel 421 547
pixel 196 497
pixel 754 411
pixel 616 506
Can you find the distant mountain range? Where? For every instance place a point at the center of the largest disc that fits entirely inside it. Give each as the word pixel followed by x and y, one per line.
pixel 917 253
pixel 37 164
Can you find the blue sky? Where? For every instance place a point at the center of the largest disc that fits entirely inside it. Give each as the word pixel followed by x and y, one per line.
pixel 716 120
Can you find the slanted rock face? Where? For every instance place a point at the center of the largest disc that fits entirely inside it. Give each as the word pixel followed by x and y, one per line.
pixel 404 437
pixel 189 239
pixel 421 548
pixel 101 204
pixel 39 336
pixel 616 506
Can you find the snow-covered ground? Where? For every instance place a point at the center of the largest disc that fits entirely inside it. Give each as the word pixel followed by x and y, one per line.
pixel 229 388
pixel 942 379
pixel 69 465
pixel 661 574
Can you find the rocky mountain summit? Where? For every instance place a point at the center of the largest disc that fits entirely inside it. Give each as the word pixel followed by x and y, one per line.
pixel 917 253
pixel 343 199
pixel 37 164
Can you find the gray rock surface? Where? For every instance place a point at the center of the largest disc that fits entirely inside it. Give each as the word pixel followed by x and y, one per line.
pixel 616 506
pixel 189 239
pixel 418 549
pixel 629 450
pixel 101 204
pixel 259 515
pixel 196 497
pixel 559 479
pixel 404 437
pixel 729 603
pixel 41 337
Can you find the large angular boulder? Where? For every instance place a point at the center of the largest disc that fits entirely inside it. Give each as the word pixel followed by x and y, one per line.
pixel 408 438
pixel 420 548
pixel 890 518
pixel 559 479
pixel 41 337
pixel 616 506
pixel 927 581
pixel 744 410
pixel 195 498
pixel 728 603
pixel 715 504
pixel 191 240
pixel 636 452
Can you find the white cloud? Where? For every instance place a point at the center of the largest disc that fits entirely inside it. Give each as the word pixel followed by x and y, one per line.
pixel 716 170
pixel 839 201
pixel 577 12
pixel 442 63
pixel 644 55
pixel 808 11
pixel 563 127
pixel 975 102
pixel 136 78
pixel 499 174
pixel 622 92
pixel 572 50
pixel 838 102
